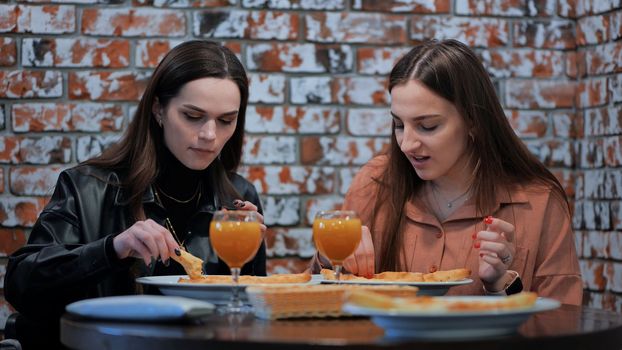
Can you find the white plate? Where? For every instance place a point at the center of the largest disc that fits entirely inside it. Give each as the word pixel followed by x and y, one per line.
pixel 214 293
pixel 140 307
pixel 425 288
pixel 458 325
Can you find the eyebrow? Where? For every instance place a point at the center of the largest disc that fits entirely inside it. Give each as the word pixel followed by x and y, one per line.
pixel 423 116
pixel 201 110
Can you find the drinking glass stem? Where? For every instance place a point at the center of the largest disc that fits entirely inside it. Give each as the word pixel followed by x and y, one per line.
pixel 236 303
pixel 338 273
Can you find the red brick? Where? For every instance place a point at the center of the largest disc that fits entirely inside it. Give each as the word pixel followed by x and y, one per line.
pixel 294 57
pixel 90 117
pixel 298 180
pixel 150 52
pixel 296 4
pixel 592 92
pixel 91 146
pixel 555 34
pixel 11 240
pixel 593 274
pixel 281 211
pixel 133 22
pixel 355 28
pixel 539 94
pixel 183 3
pixel 282 242
pixel 33 181
pixel 287 265
pixel 603 59
pixel 266 88
pixel 316 204
pixel 374 60
pixel 107 85
pixel 269 150
pixel 8 18
pixel 264 25
pixel 528 124
pixel 368 122
pixel 46 19
pixel 8 51
pixel 591 153
pixel 567 125
pixel 341 150
pixel 603 121
pixel 528 63
pixel 21 211
pixel 31 84
pixel 592 30
pixel 293 120
pixel 576 65
pixel 60 52
pixel 475 32
pixel 567 179
pixel 409 6
pixel 613 151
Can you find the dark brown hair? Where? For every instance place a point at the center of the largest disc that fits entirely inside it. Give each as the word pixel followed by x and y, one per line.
pixel 139 153
pixel 452 70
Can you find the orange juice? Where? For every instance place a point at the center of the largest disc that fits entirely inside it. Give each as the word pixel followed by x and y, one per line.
pixel 235 242
pixel 336 239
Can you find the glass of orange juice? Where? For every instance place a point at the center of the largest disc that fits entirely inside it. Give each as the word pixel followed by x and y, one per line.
pixel 336 233
pixel 236 236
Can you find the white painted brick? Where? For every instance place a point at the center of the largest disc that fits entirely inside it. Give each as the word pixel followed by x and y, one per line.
pixel 270 150
pixel 296 4
pixel 283 246
pixel 362 90
pixel 322 203
pixel 294 120
pixel 310 90
pixel 264 88
pixel 91 146
pixel 369 122
pixel 283 211
pixel 346 175
pixel 279 180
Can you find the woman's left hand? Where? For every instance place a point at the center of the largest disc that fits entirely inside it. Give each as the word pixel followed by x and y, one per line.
pixel 246 205
pixel 496 251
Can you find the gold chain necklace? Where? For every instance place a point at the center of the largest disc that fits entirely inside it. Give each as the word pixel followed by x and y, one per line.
pixel 167 221
pixel 181 201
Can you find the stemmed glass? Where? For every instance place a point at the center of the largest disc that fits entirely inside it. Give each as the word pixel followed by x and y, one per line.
pixel 235 236
pixel 336 233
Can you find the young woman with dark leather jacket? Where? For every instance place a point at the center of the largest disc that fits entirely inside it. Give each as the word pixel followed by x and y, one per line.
pixel 122 214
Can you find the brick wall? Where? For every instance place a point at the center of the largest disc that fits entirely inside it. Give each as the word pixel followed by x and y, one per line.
pixel 73 71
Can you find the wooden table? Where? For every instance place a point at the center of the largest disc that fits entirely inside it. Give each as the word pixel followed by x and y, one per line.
pixel 569 327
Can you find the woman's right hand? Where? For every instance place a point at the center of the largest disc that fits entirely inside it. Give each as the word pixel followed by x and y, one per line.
pixel 362 262
pixel 145 240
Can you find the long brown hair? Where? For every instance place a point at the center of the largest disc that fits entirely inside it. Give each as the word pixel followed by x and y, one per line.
pixel 451 70
pixel 139 153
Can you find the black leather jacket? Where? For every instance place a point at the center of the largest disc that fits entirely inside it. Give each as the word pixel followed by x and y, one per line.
pixel 69 255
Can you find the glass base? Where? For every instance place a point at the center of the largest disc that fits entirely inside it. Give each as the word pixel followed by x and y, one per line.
pixel 234 309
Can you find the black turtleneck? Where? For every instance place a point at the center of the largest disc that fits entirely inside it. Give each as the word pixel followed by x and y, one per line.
pixel 177 181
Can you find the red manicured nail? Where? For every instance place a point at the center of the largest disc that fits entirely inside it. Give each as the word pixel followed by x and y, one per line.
pixel 474 235
pixel 488 220
pixel 476 245
pixel 481 255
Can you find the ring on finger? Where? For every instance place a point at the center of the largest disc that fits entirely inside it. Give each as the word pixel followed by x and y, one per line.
pixel 506 259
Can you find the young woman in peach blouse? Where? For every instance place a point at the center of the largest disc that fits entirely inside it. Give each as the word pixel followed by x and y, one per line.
pixel 458 188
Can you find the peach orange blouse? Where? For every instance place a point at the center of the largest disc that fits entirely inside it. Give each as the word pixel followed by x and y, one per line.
pixel 545 258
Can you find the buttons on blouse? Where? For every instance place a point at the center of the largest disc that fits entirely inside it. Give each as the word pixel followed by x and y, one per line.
pixel 432 268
